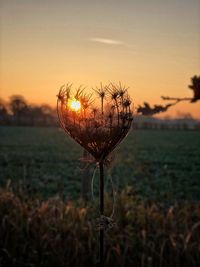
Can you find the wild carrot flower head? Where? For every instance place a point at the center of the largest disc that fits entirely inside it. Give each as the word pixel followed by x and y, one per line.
pixel 98 121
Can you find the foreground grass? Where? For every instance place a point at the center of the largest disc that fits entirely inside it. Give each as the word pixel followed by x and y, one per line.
pixel 57 233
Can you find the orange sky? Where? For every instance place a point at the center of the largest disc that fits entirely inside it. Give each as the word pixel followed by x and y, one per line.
pixel 152 46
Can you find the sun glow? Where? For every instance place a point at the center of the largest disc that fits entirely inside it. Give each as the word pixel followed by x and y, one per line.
pixel 74 104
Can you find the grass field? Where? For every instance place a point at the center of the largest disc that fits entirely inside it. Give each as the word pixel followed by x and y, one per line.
pixel 160 165
pixel 157 219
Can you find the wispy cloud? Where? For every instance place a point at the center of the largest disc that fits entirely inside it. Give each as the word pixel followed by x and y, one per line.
pixel 106 41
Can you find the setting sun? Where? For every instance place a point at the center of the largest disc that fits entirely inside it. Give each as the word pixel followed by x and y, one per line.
pixel 75 105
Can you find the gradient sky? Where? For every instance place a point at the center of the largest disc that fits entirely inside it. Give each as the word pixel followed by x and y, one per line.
pixel 153 46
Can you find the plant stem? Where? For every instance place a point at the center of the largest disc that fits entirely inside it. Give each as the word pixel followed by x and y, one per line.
pixel 102 105
pixel 117 110
pixel 101 199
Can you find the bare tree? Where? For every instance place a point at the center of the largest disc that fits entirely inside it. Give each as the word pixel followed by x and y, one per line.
pixel 3 112
pixel 18 107
pixel 47 114
pixel 194 86
pixel 147 110
pixel 35 115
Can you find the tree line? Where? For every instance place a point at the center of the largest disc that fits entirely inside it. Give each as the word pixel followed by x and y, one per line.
pixel 17 111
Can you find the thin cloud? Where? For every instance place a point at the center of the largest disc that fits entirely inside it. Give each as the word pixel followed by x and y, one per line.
pixel 106 41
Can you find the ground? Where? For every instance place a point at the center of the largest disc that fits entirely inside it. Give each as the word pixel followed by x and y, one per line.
pixel 160 164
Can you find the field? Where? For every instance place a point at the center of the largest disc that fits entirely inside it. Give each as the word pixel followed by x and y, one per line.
pixel 159 165
pixel 43 221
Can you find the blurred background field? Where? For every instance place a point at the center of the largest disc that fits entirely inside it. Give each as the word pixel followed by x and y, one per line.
pixel 161 165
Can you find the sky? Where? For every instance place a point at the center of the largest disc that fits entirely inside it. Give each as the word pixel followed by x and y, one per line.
pixel 151 46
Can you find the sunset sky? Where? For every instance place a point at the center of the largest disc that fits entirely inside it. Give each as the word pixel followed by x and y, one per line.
pixel 152 46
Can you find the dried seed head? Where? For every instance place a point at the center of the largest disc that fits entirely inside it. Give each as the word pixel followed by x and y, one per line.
pixel 98 132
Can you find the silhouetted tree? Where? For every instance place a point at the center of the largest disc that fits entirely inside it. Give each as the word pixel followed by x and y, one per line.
pixel 47 114
pixel 21 113
pixel 195 87
pixel 3 112
pixel 35 115
pixel 18 107
pixel 147 110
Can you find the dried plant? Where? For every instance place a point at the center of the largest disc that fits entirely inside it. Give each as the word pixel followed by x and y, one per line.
pixel 97 124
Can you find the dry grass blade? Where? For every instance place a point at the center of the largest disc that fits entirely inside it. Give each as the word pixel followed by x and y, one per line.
pixel 56 233
pixel 190 234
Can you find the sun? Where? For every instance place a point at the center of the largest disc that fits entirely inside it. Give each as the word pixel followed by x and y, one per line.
pixel 74 104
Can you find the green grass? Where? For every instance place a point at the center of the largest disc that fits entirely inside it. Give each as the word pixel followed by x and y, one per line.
pixel 163 165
